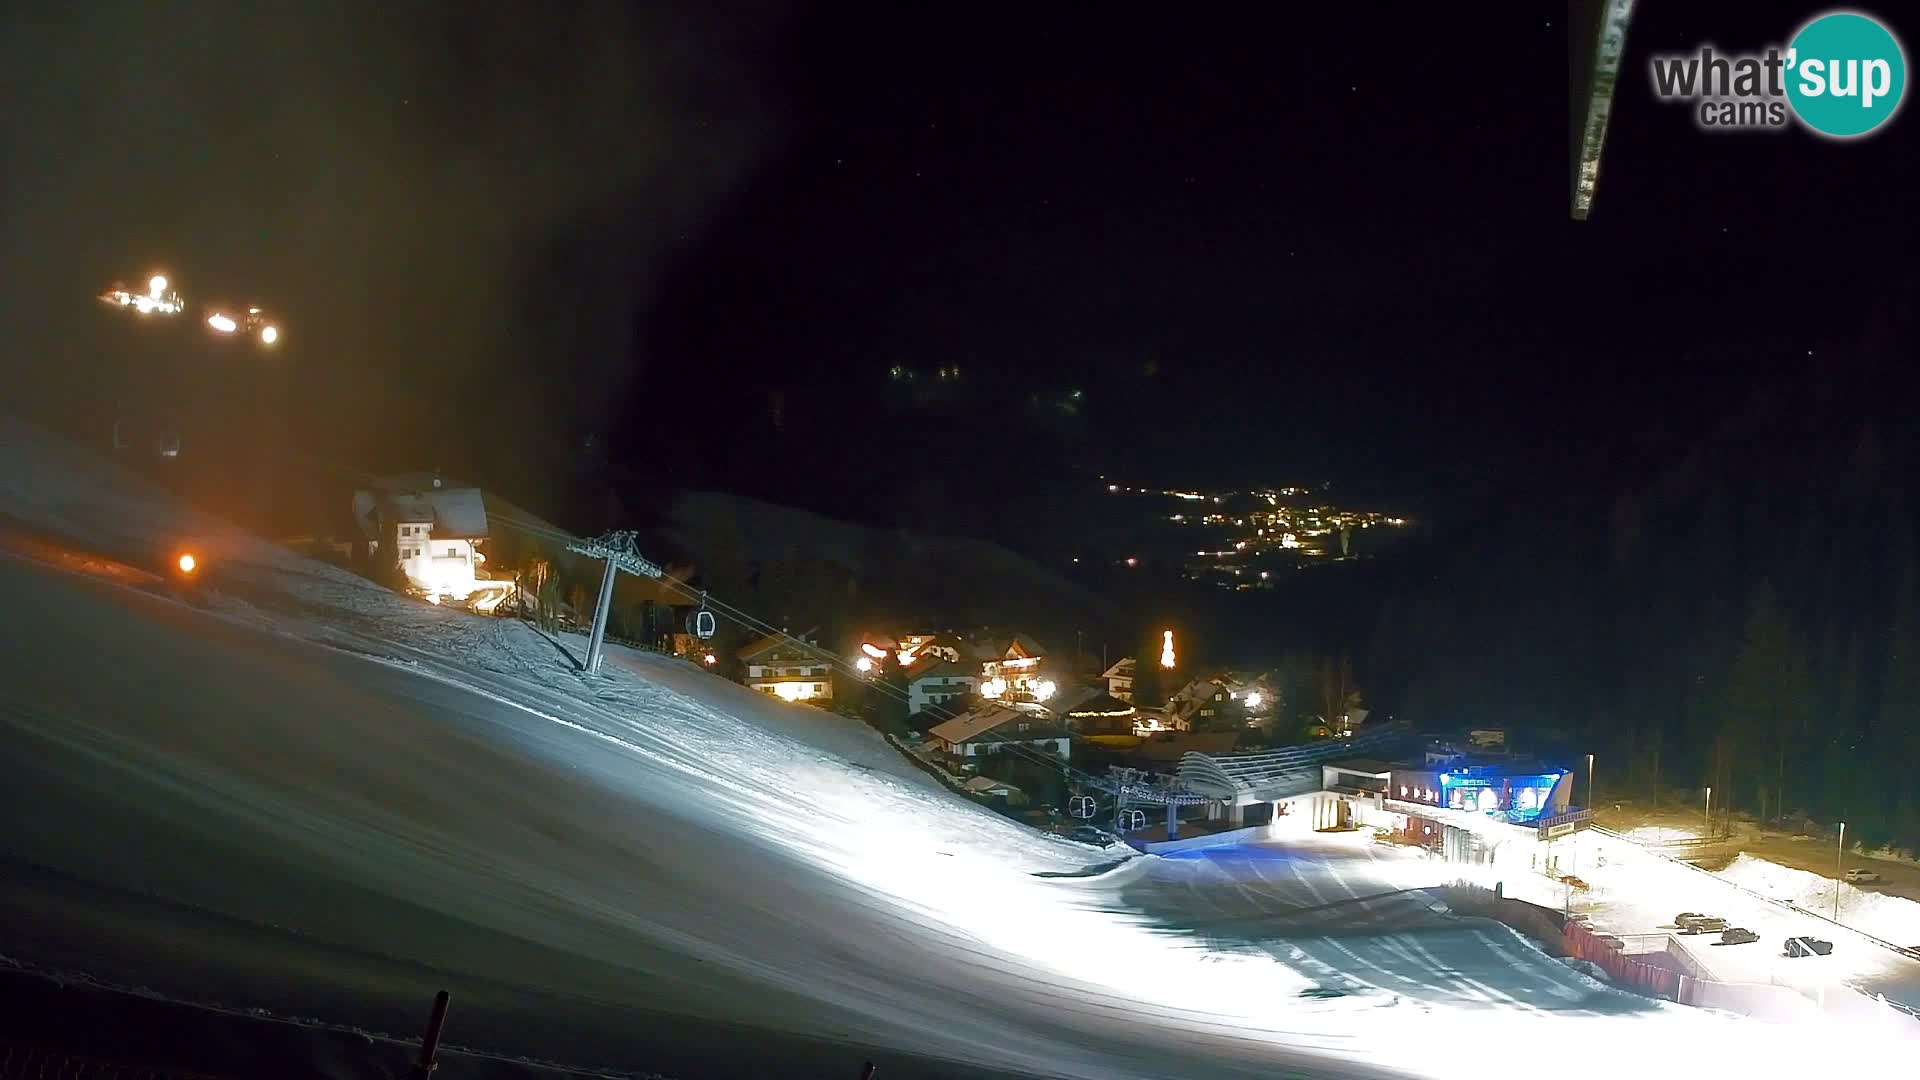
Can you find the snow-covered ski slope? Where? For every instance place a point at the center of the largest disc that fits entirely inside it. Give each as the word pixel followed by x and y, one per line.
pixel 321 799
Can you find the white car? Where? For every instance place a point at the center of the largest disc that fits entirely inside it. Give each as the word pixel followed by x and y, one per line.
pixel 1862 877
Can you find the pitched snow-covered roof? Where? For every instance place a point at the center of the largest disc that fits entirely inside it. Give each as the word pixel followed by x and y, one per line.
pixel 942 669
pixel 800 644
pixel 458 513
pixel 1099 704
pixel 1121 669
pixel 987 785
pixel 1022 645
pixel 454 513
pixel 974 723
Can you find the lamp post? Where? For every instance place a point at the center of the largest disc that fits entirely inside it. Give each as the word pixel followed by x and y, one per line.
pixel 1709 810
pixel 1591 801
pixel 1839 855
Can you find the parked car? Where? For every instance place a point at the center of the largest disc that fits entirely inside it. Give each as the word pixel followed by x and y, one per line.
pixel 1087 834
pixel 1808 946
pixel 1739 935
pixel 1681 919
pixel 1703 924
pixel 1863 877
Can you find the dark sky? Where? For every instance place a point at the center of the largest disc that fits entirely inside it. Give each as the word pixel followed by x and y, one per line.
pixel 1341 241
pixel 1289 245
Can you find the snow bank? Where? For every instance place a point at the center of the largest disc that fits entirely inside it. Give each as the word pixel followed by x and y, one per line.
pixel 1661 834
pixel 1890 918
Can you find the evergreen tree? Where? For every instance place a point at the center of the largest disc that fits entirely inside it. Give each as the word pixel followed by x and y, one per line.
pixel 1769 688
pixel 1893 742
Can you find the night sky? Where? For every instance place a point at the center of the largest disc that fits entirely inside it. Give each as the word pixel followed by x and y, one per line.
pixel 1262 248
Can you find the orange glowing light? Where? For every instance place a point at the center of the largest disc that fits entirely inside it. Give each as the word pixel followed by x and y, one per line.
pixel 187 564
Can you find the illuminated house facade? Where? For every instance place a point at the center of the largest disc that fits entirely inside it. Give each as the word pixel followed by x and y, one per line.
pixel 1014 672
pixel 788 670
pixel 433 535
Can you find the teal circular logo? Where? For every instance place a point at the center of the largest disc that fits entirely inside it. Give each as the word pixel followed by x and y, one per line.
pixel 1845 75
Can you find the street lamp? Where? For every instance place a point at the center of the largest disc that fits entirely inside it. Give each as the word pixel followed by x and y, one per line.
pixel 1839 856
pixel 1591 801
pixel 1709 810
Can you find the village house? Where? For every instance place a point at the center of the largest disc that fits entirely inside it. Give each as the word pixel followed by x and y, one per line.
pixel 1120 679
pixel 992 729
pixel 1197 704
pixel 914 648
pixel 432 534
pixel 936 682
pixel 788 668
pixel 990 788
pixel 1102 716
pixel 1013 672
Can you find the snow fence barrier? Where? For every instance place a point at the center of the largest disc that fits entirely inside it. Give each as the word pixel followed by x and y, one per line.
pixel 1624 970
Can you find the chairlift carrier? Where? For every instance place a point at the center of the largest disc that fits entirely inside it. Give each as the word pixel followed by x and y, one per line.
pixel 702 624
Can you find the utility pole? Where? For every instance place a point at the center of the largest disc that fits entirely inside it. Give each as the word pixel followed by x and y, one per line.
pixel 1839 859
pixel 620 550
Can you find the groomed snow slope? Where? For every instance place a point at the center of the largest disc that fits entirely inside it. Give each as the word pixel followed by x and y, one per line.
pixel 322 799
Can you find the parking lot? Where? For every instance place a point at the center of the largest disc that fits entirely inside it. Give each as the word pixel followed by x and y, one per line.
pixel 1635 894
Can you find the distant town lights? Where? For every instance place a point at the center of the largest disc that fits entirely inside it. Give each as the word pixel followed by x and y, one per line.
pixel 222 323
pixel 269 334
pixel 1254 699
pixel 1043 689
pixel 1166 649
pixel 157 286
pixel 872 650
pixel 864 664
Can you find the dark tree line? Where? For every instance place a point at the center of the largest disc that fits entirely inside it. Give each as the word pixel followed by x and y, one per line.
pixel 1748 617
